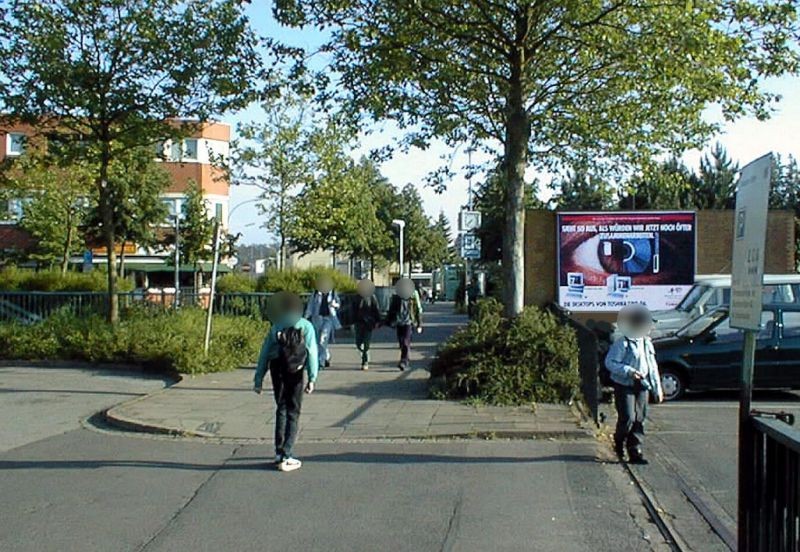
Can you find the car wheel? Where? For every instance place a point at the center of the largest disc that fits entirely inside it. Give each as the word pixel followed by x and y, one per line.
pixel 673 383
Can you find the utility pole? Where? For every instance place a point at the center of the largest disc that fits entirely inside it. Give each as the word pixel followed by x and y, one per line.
pixel 177 301
pixel 469 206
pixel 214 265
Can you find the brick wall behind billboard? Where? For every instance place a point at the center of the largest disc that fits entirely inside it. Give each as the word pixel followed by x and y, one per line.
pixel 714 248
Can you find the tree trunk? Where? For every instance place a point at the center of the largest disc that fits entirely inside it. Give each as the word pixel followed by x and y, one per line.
pixel 121 273
pixel 107 216
pixel 517 134
pixel 372 268
pixel 67 245
pixel 282 253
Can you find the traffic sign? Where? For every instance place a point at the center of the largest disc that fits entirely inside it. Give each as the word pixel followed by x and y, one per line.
pixel 750 232
pixel 470 246
pixel 469 221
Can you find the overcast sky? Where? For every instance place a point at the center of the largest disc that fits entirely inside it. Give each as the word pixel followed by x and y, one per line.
pixel 745 140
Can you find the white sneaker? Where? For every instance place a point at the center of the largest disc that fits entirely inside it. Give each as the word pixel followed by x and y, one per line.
pixel 289 464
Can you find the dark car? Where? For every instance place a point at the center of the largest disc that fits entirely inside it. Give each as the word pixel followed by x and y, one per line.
pixel 707 353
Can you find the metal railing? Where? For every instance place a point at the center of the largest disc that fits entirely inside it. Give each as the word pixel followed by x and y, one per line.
pixel 33 306
pixel 772 512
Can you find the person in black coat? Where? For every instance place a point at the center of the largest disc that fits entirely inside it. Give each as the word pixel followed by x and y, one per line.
pixel 367 318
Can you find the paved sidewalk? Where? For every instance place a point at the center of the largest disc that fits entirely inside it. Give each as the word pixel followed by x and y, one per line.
pixel 348 405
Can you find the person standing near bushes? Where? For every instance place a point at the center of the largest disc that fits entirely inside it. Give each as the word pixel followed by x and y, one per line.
pixel 631 362
pixel 367 318
pixel 321 310
pixel 405 316
pixel 288 350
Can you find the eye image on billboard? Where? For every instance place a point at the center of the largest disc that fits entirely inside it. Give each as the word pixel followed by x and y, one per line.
pixel 609 260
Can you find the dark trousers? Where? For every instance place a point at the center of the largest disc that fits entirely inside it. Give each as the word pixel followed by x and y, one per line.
pixel 363 341
pixel 631 406
pixel 404 333
pixel 288 389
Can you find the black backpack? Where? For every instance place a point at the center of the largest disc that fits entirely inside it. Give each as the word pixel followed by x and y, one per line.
pixel 292 352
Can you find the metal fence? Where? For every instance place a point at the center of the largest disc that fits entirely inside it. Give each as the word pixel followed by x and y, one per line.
pixel 33 306
pixel 772 505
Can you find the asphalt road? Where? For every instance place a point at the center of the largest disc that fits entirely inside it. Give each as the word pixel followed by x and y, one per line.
pixel 692 444
pixel 78 489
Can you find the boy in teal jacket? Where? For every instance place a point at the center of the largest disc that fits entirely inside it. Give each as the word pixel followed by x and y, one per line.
pixel 287 386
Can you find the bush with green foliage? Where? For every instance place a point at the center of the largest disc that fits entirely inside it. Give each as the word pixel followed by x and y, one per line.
pixel 236 282
pixel 17 279
pixel 304 281
pixel 530 358
pixel 156 338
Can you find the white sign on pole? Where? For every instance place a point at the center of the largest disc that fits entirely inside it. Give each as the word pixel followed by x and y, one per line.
pixel 750 231
pixel 469 221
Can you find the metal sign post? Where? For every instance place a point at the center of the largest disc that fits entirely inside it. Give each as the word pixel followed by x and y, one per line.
pixel 214 265
pixel 750 231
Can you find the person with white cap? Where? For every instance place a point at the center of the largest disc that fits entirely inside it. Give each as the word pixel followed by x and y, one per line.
pixel 631 362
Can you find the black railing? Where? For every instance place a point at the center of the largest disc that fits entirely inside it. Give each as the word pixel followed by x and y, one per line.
pixel 772 505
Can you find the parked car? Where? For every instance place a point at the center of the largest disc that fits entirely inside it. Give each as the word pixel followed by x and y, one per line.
pixel 711 291
pixel 707 353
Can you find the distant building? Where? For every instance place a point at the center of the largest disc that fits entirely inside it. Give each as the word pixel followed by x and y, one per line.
pixel 192 159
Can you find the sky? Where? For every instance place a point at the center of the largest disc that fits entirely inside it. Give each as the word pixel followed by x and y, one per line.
pixel 745 139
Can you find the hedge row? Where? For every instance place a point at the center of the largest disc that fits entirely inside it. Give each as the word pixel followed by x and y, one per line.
pixel 159 339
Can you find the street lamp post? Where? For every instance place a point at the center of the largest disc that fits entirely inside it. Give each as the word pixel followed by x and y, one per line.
pixel 176 302
pixel 401 224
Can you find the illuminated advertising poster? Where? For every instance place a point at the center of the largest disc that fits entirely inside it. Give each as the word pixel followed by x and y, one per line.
pixel 609 260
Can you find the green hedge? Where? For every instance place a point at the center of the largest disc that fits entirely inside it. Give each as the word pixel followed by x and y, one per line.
pixel 17 279
pixel 304 281
pixel 531 358
pixel 159 339
pixel 236 283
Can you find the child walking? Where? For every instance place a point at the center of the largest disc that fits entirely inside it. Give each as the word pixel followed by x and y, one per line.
pixel 367 318
pixel 322 310
pixel 289 348
pixel 405 315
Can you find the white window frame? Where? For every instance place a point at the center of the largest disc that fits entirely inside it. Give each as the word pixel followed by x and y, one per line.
pixel 9 141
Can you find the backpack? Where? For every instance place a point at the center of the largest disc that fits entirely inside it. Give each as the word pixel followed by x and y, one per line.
pixel 292 352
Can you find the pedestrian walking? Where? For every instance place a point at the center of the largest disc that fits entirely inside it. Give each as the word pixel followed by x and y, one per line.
pixel 288 350
pixel 322 310
pixel 405 315
pixel 631 362
pixel 367 318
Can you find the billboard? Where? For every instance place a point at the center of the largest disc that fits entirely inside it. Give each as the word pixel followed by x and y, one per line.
pixel 609 260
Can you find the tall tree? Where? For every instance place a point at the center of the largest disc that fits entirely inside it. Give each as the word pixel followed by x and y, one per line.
pixel 542 82
pixel 490 200
pixel 660 185
pixel 581 190
pixel 717 180
pixel 196 229
pixel 136 182
pixel 417 232
pixel 438 252
pixel 56 202
pixel 273 156
pixel 117 73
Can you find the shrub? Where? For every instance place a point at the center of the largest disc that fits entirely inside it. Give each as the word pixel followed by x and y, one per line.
pixel 163 340
pixel 236 283
pixel 531 358
pixel 304 281
pixel 15 279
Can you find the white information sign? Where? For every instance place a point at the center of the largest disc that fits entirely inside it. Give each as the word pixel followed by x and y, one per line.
pixel 749 237
pixel 469 221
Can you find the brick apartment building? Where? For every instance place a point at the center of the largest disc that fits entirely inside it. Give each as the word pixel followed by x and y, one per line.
pixel 190 160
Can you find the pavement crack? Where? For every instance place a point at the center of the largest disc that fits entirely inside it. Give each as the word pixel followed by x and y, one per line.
pixel 173 518
pixel 450 537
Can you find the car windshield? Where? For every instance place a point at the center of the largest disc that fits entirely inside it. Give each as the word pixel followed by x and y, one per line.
pixel 700 325
pixel 691 299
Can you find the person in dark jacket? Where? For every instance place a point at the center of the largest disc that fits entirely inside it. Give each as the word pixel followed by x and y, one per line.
pixel 367 318
pixel 405 315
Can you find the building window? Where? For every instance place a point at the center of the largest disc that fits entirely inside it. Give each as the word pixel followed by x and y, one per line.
pixel 15 143
pixel 190 150
pixel 218 211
